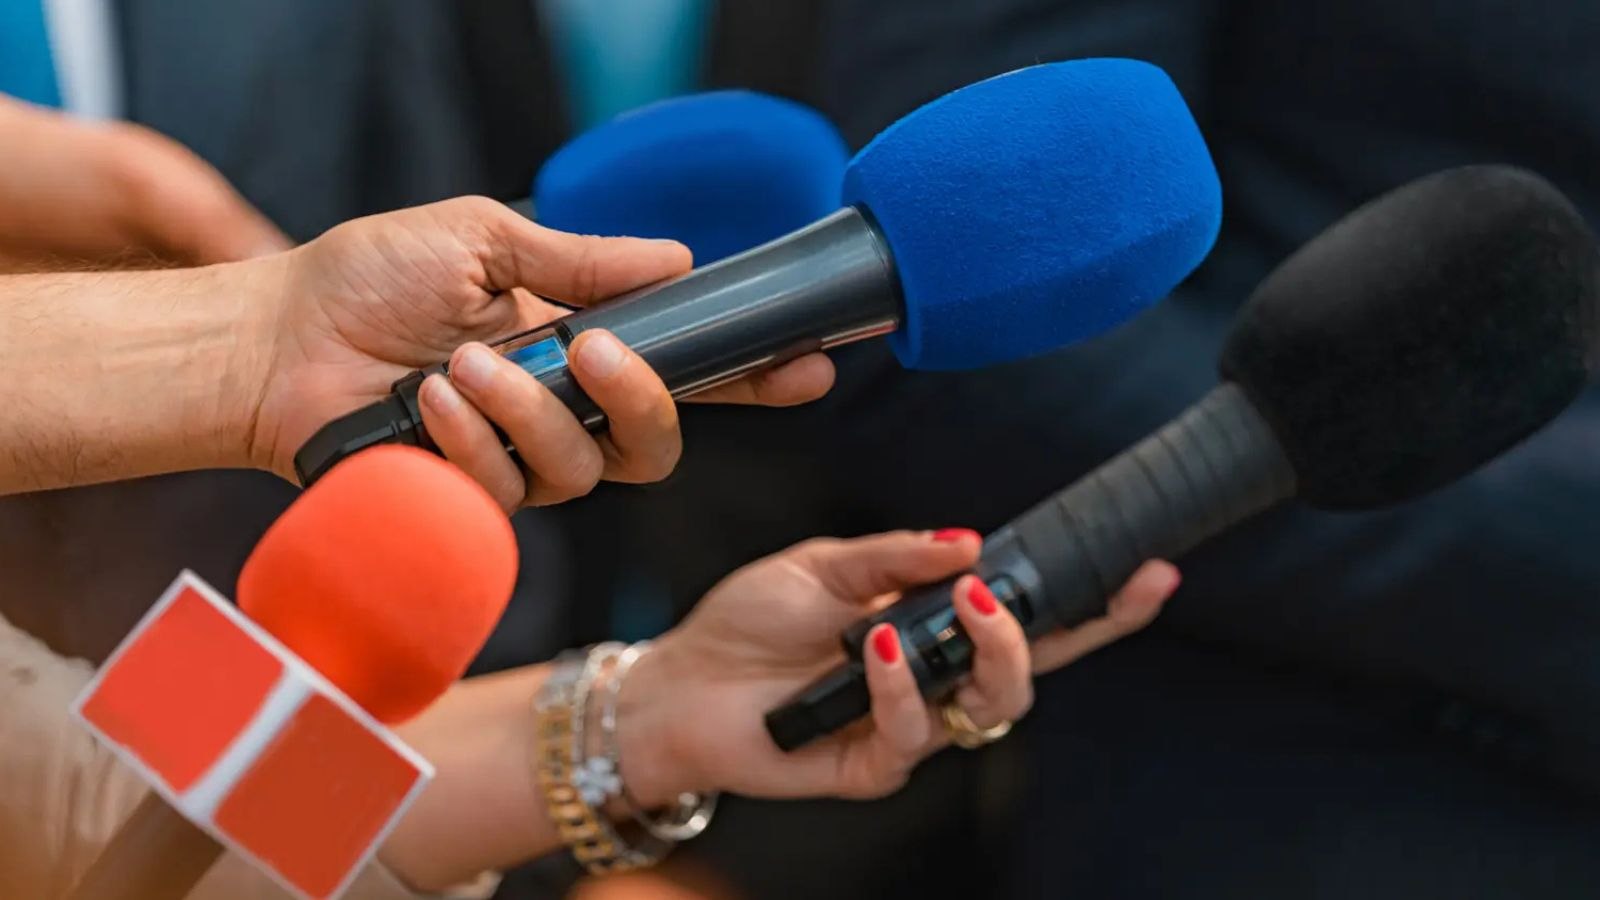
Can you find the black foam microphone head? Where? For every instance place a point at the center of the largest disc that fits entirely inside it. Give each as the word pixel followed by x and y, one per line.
pixel 1422 335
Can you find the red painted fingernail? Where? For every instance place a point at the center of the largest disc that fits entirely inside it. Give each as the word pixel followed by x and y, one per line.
pixel 981 598
pixel 886 643
pixel 955 535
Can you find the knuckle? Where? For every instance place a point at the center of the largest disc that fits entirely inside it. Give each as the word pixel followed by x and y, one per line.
pixel 667 461
pixel 664 443
pixel 518 399
pixel 880 783
pixel 130 175
pixel 510 494
pixel 1003 634
pixel 507 488
pixel 889 784
pixel 455 264
pixel 475 221
pixel 1013 642
pixel 1013 700
pixel 654 465
pixel 818 546
pixel 1024 700
pixel 575 473
pixel 652 403
pixel 639 399
pixel 543 493
pixel 475 207
pixel 586 271
pixel 908 716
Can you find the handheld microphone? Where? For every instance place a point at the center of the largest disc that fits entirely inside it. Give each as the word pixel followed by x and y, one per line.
pixel 1410 343
pixel 719 172
pixel 386 592
pixel 1010 217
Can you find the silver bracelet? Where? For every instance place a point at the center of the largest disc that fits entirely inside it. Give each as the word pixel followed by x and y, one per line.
pixel 574 785
pixel 692 812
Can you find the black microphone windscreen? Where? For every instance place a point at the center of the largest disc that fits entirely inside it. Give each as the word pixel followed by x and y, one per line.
pixel 1423 335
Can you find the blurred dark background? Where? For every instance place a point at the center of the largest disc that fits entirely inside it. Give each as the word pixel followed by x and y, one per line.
pixel 1394 705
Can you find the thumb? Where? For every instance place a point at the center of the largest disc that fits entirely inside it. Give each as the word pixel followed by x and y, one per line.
pixel 570 268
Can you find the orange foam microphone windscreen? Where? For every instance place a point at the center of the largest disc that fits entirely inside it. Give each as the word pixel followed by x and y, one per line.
pixel 387 576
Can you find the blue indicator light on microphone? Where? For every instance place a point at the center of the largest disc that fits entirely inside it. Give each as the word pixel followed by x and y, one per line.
pixel 540 357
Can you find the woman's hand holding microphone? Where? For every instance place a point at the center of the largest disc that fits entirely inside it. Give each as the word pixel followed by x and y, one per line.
pixel 687 714
pixel 691 711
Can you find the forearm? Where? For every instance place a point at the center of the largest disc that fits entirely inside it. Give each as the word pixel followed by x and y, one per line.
pixel 483 811
pixel 119 374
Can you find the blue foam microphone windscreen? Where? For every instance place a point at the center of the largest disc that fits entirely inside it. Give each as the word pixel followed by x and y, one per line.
pixel 721 172
pixel 1038 208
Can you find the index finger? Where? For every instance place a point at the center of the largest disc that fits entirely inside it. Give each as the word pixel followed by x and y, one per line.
pixel 864 568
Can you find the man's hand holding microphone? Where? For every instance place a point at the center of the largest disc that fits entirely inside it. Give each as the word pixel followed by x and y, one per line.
pixel 134 373
pixel 377 297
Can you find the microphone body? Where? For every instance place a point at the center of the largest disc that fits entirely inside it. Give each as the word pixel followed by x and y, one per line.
pixel 827 284
pixel 1056 564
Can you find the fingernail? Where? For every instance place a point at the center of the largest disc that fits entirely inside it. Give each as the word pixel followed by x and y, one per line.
pixel 439 394
pixel 955 535
pixel 474 368
pixel 886 643
pixel 981 598
pixel 1175 580
pixel 601 355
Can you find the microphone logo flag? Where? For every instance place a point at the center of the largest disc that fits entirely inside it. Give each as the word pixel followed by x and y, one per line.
pixel 249 742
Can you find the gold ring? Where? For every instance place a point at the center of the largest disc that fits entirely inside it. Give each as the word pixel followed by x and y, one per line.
pixel 965 733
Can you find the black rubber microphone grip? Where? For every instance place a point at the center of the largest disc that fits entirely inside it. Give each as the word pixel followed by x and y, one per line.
pixel 1057 564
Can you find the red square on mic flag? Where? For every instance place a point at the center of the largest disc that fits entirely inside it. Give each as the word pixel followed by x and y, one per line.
pixel 249 742
pixel 178 695
pixel 318 796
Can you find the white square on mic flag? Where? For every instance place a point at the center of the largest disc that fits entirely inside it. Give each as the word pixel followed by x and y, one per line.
pixel 249 742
